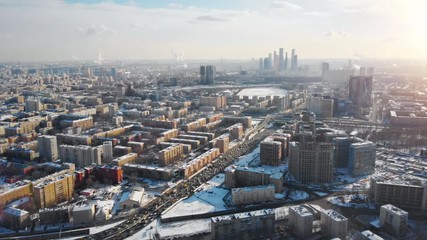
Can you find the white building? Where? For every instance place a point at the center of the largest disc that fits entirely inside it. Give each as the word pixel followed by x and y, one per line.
pixel 333 224
pixel 33 105
pixel 393 219
pixel 83 214
pixel 131 199
pixel 249 195
pixel 301 221
pixel 81 155
pixel 107 151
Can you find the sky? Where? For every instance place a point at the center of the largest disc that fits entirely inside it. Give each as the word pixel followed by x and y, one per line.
pixel 50 30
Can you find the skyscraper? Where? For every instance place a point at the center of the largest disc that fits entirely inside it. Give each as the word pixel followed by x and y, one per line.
pixel 281 63
pixel 275 61
pixel 270 61
pixel 210 74
pixel 202 74
pixel 311 161
pixel 325 71
pixel 293 60
pixel 285 67
pixel 360 91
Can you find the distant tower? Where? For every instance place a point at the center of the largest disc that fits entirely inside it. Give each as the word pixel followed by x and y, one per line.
pixel 286 62
pixel 270 61
pixel 202 74
pixel 325 71
pixel 293 60
pixel 210 74
pixel 275 61
pixel 281 63
pixel 266 63
pixel 360 91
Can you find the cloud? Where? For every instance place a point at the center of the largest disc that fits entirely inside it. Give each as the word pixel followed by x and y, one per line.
pixel 140 26
pixel 316 14
pixel 209 18
pixel 97 30
pixel 175 6
pixel 334 33
pixel 286 4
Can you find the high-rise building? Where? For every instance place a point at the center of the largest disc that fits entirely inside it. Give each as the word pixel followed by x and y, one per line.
pixel 411 194
pixel 285 67
pixel 294 61
pixel 271 152
pixel 203 74
pixel 210 74
pixel 325 70
pixel 361 160
pixel 311 161
pixel 48 148
pixel 281 59
pixel 54 190
pixel 266 64
pixel 333 224
pixel 393 219
pixel 270 61
pixel 261 64
pixel 107 152
pixel 33 105
pixel 301 221
pixel 360 92
pixel 341 151
pixel 81 155
pixel 276 61
pixel 321 106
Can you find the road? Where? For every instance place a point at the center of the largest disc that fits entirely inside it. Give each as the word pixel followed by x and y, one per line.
pixel 183 189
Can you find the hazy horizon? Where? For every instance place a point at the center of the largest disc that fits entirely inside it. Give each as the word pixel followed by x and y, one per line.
pixel 57 30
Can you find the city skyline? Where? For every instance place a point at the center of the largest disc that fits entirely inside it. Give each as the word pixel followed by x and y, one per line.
pixel 88 30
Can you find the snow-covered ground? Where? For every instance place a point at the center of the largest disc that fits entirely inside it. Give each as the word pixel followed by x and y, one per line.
pixel 295 195
pixel 184 228
pixel 356 201
pixel 94 230
pixel 208 198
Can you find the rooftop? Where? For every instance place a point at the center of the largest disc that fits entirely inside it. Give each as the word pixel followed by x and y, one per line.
pixel 244 215
pixel 335 215
pixel 15 212
pixel 394 209
pixel 302 211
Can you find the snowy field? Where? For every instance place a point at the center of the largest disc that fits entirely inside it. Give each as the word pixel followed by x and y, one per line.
pixel 174 229
pixel 208 198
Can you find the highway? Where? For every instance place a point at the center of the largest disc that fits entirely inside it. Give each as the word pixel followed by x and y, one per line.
pixel 184 188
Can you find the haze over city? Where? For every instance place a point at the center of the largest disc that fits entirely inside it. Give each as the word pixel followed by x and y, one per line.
pixel 241 29
pixel 213 120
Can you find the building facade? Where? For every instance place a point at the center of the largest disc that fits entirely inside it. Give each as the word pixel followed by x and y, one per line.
pixel 48 148
pixel 393 219
pixel 333 224
pixel 257 224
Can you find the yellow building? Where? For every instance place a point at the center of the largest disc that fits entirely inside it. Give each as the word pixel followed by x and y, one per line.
pixel 53 190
